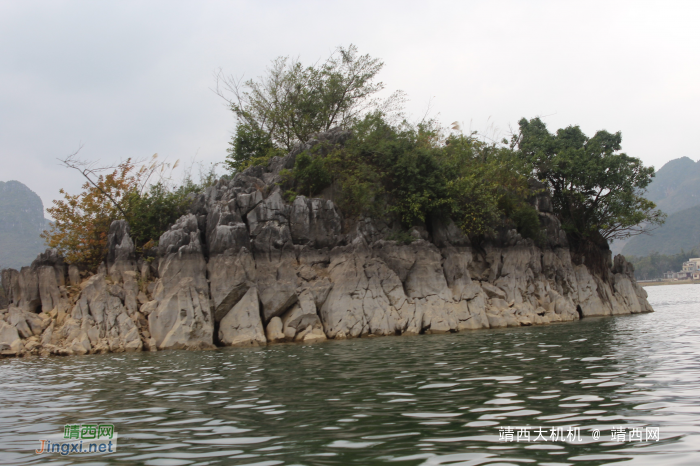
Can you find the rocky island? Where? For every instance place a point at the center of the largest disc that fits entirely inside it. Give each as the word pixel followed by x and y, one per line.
pixel 248 266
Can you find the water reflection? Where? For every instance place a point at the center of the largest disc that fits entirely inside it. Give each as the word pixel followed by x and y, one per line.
pixel 430 399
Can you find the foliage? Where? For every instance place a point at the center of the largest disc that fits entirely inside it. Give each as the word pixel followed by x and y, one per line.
pixel 655 265
pixel 81 221
pixel 311 174
pixel 596 190
pixel 154 211
pixel 487 185
pixel 522 215
pixel 292 102
pixel 401 237
pixel 409 172
pixel 249 146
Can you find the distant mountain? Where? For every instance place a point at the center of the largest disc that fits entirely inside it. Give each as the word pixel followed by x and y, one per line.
pixel 681 231
pixel 676 191
pixel 21 222
pixel 676 186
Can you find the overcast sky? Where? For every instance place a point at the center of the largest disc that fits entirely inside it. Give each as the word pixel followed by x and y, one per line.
pixel 129 79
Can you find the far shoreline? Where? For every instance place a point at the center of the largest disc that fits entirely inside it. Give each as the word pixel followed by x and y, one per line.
pixel 664 283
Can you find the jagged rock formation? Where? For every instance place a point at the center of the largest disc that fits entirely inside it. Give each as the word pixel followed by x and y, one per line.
pixel 245 267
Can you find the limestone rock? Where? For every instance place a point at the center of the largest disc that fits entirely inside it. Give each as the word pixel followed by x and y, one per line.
pixel 277 281
pixel 493 291
pixel 182 319
pixel 242 325
pixel 447 234
pixel 74 276
pixel 120 249
pixel 358 304
pixel 225 229
pixel 181 257
pixel 315 222
pixel 9 339
pixel 274 331
pixel 10 283
pixel 300 317
pixel 272 209
pixel 230 275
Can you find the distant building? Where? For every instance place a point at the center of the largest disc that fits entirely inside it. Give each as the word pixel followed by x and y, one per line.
pixel 689 271
pixel 692 265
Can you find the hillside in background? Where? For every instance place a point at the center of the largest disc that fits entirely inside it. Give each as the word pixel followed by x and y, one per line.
pixel 676 191
pixel 21 222
pixel 681 231
pixel 676 186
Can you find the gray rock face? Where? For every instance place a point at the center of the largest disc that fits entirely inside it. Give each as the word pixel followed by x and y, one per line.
pixel 120 247
pixel 28 296
pixel 446 233
pixel 272 209
pixel 225 229
pixel 99 322
pixel 182 318
pixel 315 222
pixel 10 341
pixel 74 275
pixel 242 325
pixel 230 275
pixel 10 283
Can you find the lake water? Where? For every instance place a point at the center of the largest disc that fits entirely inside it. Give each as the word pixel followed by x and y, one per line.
pixel 424 400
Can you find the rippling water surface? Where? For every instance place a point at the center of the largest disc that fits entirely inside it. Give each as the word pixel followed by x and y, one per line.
pixel 424 400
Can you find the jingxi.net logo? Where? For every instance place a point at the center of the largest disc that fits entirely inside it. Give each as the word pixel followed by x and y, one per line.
pixel 82 439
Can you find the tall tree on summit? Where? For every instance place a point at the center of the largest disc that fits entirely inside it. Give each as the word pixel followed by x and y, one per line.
pixel 292 102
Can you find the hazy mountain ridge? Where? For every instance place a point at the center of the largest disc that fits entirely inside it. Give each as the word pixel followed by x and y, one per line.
pixel 676 186
pixel 676 191
pixel 21 222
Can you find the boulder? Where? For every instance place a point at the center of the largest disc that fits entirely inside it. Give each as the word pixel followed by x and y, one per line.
pixel 182 319
pixel 242 325
pixel 274 331
pixel 10 342
pixel 230 276
pixel 300 317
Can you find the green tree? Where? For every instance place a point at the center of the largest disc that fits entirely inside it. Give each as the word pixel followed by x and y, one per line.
pixel 292 102
pixel 153 211
pixel 597 191
pixel 249 146
pixel 139 192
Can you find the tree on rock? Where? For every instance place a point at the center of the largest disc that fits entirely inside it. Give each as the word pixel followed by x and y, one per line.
pixel 136 191
pixel 292 102
pixel 597 191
